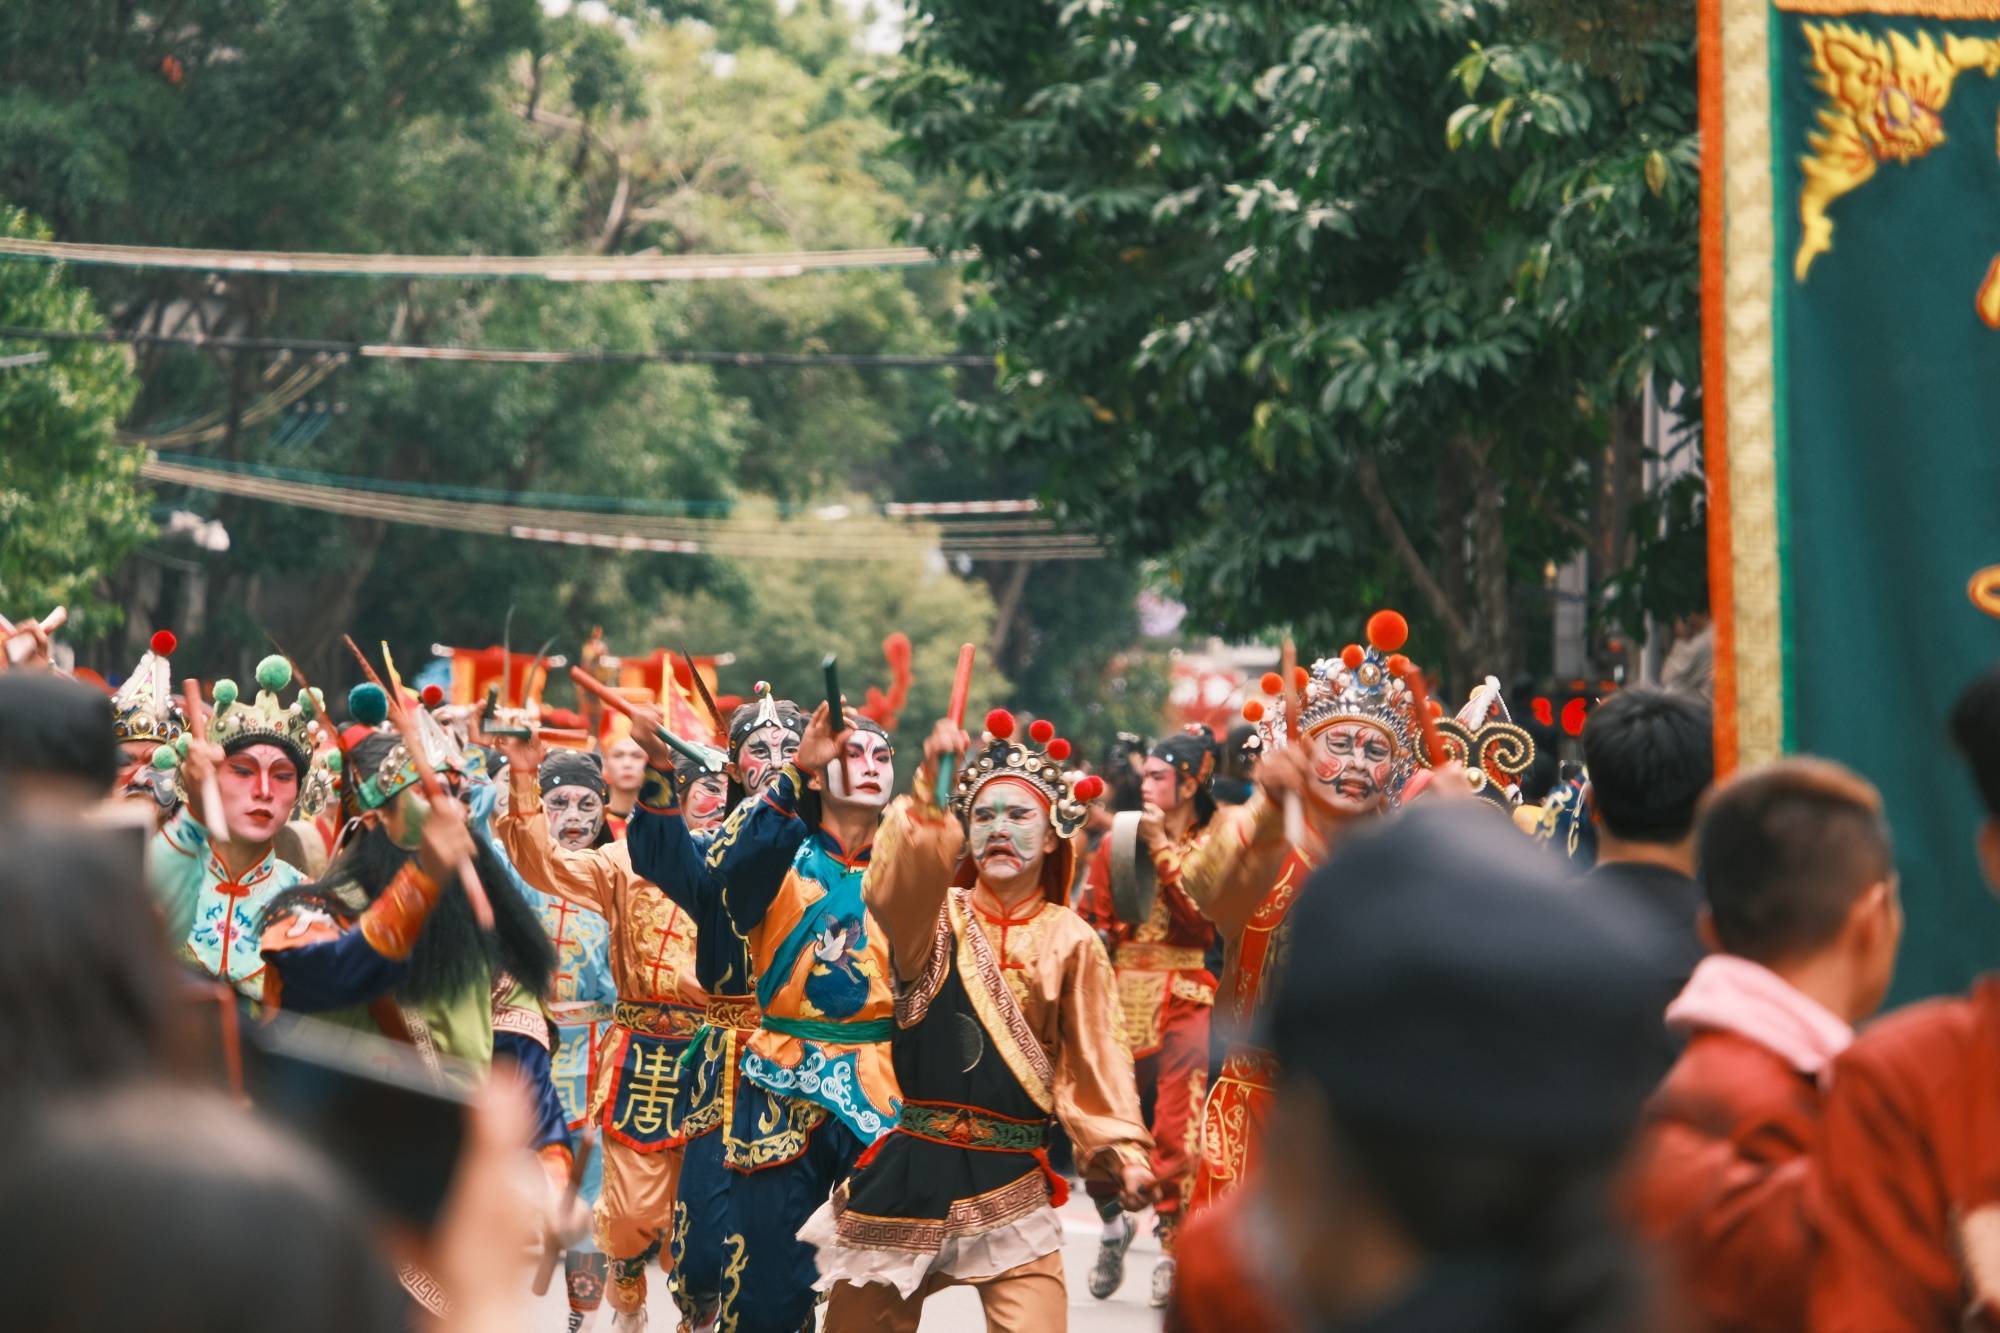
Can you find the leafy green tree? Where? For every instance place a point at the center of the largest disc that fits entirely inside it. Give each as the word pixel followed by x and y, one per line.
pixel 69 509
pixel 1265 316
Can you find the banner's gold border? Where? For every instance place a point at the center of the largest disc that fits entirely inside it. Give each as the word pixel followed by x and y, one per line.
pixel 1926 9
pixel 1748 293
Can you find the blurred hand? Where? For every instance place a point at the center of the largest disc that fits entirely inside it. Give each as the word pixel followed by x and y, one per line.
pixel 647 721
pixel 203 761
pixel 28 648
pixel 447 842
pixel 524 754
pixel 944 739
pixel 819 746
pixel 493 1222
pixel 1447 782
pixel 1136 1187
pixel 1285 771
pixel 1153 828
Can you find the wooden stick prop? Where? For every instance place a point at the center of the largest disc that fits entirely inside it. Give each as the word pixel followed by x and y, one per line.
pixel 961 694
pixel 48 624
pixel 212 813
pixel 579 1162
pixel 1427 727
pixel 1295 809
pixel 427 778
pixel 836 717
pixel 707 700
pixel 706 760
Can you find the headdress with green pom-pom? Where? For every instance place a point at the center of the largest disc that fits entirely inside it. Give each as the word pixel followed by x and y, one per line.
pixel 238 725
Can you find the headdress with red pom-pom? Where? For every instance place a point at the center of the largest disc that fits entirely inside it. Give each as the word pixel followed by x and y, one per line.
pixel 146 708
pixel 1035 759
pixel 1363 683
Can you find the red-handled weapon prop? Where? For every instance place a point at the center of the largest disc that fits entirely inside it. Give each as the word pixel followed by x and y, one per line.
pixel 706 760
pixel 961 694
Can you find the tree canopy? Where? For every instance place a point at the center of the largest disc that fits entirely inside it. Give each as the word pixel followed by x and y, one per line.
pixel 1317 305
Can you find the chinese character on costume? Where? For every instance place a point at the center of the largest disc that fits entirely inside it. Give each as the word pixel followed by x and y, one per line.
pixel 637 951
pixel 1165 992
pixel 811 1084
pixel 1006 1020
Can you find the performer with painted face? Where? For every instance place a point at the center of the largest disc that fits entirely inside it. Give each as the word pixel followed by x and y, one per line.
pixel 147 717
pixel 1358 745
pixel 633 1091
pixel 575 798
pixel 624 774
pixel 213 893
pixel 1165 989
pixel 1006 1021
pixel 675 826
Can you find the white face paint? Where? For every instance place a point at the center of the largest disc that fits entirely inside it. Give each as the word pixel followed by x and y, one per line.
pixel 575 816
pixel 1009 834
pixel 763 752
pixel 869 774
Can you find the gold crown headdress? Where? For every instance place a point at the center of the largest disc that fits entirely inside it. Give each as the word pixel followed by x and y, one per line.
pixel 237 725
pixel 1362 684
pixel 1036 760
pixel 145 707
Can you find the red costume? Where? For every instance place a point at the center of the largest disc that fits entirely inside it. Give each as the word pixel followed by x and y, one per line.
pixel 1909 1174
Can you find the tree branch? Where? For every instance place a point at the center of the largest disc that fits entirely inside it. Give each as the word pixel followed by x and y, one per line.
pixel 1369 477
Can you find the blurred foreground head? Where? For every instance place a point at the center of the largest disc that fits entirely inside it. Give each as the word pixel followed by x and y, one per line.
pixel 85 983
pixel 58 750
pixel 1464 1041
pixel 154 1210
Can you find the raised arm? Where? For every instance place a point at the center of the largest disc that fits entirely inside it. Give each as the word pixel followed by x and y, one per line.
pixel 1228 875
pixel 587 878
pixel 754 852
pixel 665 852
pixel 909 872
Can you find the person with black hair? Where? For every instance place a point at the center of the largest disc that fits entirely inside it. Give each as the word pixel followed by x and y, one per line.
pixel 387 941
pixel 88 991
pixel 1802 914
pixel 1651 757
pixel 784 879
pixel 58 750
pixel 605 916
pixel 1166 990
pixel 1453 1101
pixel 1908 1164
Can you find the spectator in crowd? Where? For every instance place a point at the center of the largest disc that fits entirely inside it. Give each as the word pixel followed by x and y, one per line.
pixel 58 753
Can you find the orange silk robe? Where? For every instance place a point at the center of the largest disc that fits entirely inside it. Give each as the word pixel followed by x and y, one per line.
pixel 1051 961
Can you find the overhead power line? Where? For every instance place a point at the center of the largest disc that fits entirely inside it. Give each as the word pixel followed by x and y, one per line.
pixel 506 356
pixel 796 539
pixel 543 268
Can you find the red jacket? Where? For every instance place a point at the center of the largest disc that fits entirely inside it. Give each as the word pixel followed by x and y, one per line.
pixel 1720 1182
pixel 1910 1174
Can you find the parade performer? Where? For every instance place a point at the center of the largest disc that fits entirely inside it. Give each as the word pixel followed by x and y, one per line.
pixel 630 1085
pixel 582 1001
pixel 783 877
pixel 212 893
pixel 1165 992
pixel 1006 1021
pixel 1357 747
pixel 146 715
pixel 624 774
pixel 678 818
pixel 387 942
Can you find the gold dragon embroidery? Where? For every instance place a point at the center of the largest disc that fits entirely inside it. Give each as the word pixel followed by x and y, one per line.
pixel 1885 99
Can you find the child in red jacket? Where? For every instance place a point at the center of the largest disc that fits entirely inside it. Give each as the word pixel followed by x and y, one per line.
pixel 1802 915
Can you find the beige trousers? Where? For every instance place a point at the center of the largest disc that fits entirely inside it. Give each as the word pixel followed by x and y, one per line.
pixel 1028 1298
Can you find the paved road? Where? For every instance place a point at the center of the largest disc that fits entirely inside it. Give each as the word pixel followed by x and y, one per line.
pixel 957 1311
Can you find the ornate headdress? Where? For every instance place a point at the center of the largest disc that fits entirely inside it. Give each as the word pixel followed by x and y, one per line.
pixel 1493 749
pixel 1037 761
pixel 238 725
pixel 766 710
pixel 377 786
pixel 145 707
pixel 1360 685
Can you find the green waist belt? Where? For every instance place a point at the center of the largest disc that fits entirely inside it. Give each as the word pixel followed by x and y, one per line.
pixel 844 1034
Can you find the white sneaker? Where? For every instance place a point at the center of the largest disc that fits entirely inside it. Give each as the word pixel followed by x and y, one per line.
pixel 1163 1282
pixel 629 1321
pixel 1109 1271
